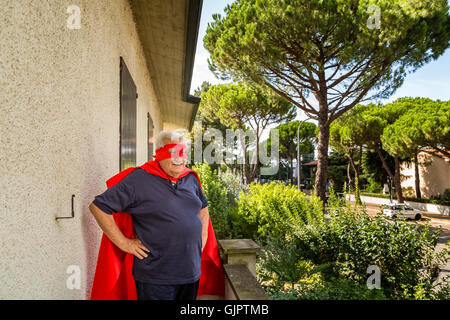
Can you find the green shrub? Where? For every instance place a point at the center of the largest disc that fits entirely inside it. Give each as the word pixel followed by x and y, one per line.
pixel 220 206
pixel 233 183
pixel 446 195
pixel 334 289
pixel 275 209
pixel 409 192
pixel 280 262
pixel 373 186
pixel 286 275
pixel 350 242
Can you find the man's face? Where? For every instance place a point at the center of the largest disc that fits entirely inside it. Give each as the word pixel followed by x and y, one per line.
pixel 175 165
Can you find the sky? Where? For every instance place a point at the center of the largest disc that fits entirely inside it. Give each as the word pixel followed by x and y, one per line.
pixel 431 81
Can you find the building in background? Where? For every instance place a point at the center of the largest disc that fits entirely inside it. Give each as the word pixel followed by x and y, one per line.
pixel 85 88
pixel 434 174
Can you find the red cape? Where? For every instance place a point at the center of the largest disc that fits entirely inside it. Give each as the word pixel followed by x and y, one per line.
pixel 113 279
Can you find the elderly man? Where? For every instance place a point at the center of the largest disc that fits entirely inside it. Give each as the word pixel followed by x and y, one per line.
pixel 170 217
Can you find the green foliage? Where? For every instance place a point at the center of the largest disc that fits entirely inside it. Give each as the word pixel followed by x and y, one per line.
pixel 220 206
pixel 275 209
pixel 351 241
pixel 287 134
pixel 280 262
pixel 232 182
pixel 300 49
pixel 333 289
pixel 237 103
pixel 337 169
pixel 446 195
pixel 328 259
pixel 425 124
pixel 267 41
pixel 373 187
pixel 240 106
pixel 373 170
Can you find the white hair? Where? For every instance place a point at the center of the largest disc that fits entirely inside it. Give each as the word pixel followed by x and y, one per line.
pixel 168 136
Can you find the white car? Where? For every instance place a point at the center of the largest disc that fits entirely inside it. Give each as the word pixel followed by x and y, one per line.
pixel 401 210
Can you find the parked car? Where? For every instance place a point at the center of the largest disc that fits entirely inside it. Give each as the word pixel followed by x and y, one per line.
pixel 401 210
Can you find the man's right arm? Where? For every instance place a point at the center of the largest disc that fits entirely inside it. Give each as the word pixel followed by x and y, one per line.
pixel 112 231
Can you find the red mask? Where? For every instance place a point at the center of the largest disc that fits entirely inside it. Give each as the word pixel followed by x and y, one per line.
pixel 172 150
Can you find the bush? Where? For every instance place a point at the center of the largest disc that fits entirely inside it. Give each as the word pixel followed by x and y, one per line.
pixel 233 183
pixel 335 289
pixel 273 209
pixel 280 262
pixel 329 260
pixel 220 206
pixel 347 244
pixel 409 192
pixel 446 195
pixel 286 275
pixel 373 186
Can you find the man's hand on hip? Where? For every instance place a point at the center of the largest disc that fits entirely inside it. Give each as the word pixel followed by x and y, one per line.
pixel 135 247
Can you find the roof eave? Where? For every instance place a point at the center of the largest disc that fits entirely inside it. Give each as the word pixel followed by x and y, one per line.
pixel 193 23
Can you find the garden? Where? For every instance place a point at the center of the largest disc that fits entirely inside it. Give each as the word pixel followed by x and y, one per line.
pixel 309 255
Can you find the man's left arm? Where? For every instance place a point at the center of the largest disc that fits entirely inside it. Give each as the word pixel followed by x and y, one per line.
pixel 204 216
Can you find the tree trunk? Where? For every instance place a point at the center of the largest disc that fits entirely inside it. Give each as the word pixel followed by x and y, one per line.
pixel 244 148
pixel 386 167
pixel 254 161
pixel 416 175
pixel 384 163
pixel 397 183
pixel 357 195
pixel 395 177
pixel 349 176
pixel 322 157
pixel 352 162
pixel 360 160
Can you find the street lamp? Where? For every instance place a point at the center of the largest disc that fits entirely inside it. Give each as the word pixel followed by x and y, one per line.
pixel 299 164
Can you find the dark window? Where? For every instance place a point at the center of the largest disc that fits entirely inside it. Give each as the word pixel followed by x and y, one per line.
pixel 127 118
pixel 150 128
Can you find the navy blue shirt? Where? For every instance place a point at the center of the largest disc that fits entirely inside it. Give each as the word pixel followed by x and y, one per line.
pixel 166 219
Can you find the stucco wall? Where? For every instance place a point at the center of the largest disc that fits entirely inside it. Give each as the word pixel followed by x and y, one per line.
pixel 59 134
pixel 434 175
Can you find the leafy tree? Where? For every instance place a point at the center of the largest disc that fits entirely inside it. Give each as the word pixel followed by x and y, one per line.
pixel 337 166
pixel 406 136
pixel 222 205
pixel 346 136
pixel 243 105
pixel 205 121
pixel 426 125
pixel 373 170
pixel 375 120
pixel 203 88
pixel 327 51
pixel 288 143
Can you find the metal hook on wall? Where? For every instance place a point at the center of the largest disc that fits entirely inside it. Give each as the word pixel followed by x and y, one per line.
pixel 73 212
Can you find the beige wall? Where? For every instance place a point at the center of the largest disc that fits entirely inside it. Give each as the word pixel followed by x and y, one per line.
pixel 434 175
pixel 59 134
